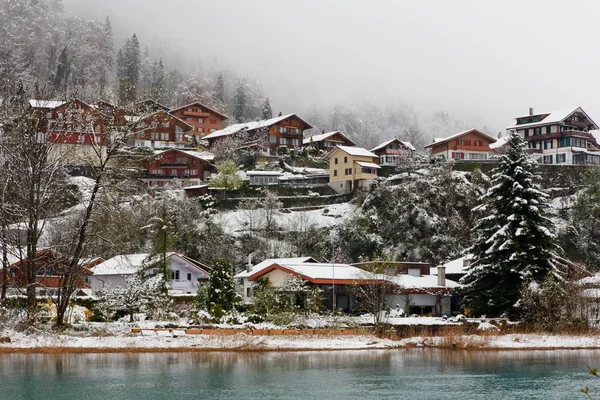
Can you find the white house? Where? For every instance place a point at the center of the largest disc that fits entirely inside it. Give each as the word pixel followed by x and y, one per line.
pixel 186 274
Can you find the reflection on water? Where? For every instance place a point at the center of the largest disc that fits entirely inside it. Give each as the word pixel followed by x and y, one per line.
pixel 414 374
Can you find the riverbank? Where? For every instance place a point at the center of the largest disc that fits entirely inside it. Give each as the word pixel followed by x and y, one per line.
pixel 47 343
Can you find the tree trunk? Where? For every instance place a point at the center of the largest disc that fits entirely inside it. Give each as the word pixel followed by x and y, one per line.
pixel 130 315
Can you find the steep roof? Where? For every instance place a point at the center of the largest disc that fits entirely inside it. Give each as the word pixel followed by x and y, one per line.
pixel 198 104
pixel 202 155
pixel 322 136
pixel 437 141
pixel 408 145
pixel 354 151
pixel 553 117
pixel 252 126
pixel 35 103
pixel 129 264
pixel 164 114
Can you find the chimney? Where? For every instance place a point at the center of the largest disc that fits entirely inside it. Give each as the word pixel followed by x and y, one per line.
pixel 322 130
pixel 249 265
pixel 530 110
pixel 280 113
pixel 441 272
pixel 466 261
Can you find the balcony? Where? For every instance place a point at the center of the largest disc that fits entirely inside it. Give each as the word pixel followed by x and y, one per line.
pixel 557 135
pixel 536 151
pixel 579 124
pixel 173 164
pixel 195 114
pixel 472 148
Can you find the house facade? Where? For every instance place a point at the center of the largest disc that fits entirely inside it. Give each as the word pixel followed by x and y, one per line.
pixel 327 141
pixel 471 145
pixel 282 131
pixel 186 167
pixel 50 265
pixel 394 152
pixel 186 274
pixel 560 137
pixel 203 119
pixel 161 130
pixel 352 168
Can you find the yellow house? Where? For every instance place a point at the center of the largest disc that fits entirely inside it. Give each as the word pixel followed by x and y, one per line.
pixel 352 168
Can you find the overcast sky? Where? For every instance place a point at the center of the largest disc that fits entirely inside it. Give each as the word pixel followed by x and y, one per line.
pixel 483 61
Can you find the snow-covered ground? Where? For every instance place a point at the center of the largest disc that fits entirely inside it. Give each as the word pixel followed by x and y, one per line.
pixel 234 222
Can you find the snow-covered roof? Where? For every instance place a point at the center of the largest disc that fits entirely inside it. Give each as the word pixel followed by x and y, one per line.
pixel 384 144
pixel 368 164
pixel 203 155
pixel 252 126
pixel 355 151
pixel 195 187
pixel 407 281
pixel 454 267
pixel 45 103
pixel 270 261
pixel 122 264
pixel 322 136
pixel 457 135
pixel 553 117
pixel 499 143
pixel 329 271
pixel 263 173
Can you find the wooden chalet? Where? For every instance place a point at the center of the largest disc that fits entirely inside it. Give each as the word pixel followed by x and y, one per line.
pixel 77 123
pixel 160 130
pixel 471 145
pixel 328 140
pixel 284 130
pixel 50 265
pixel 177 167
pixel 393 152
pixel 204 120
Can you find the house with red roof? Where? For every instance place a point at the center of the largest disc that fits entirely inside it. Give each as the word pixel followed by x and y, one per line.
pixel 203 119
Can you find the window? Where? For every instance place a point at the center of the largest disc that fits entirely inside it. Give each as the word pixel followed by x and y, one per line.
pixel 548 144
pixel 173 172
pixel 335 172
pixel 80 139
pixel 164 135
pixel 548 159
pixel 273 139
pixel 190 109
pixel 526 132
pixel 213 121
pixel 281 140
pixel 189 277
pixel 548 129
pixel 189 119
pixel 345 160
pixel 200 120
pixel 561 158
pixel 564 142
pixel 175 275
pixel 212 130
pixel 154 136
pixel 200 129
pixel 336 161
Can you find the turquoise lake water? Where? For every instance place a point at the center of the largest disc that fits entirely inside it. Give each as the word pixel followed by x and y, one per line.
pixel 399 374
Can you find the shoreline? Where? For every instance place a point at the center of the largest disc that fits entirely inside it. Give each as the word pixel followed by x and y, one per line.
pixel 241 343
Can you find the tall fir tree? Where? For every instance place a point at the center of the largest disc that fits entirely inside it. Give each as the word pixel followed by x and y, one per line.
pixel 219 91
pixel 267 113
pixel 63 70
pixel 239 101
pixel 220 294
pixel 515 240
pixel 128 70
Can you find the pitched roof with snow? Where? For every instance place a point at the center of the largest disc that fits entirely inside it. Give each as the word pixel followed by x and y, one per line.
pixel 408 145
pixel 252 126
pixel 127 264
pixel 368 164
pixel 424 282
pixel 268 262
pixel 355 151
pixel 322 136
pixel 198 104
pixel 457 135
pixel 317 272
pixel 553 117
pixel 35 103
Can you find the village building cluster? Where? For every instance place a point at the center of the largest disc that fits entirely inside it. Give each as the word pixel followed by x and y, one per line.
pixel 180 140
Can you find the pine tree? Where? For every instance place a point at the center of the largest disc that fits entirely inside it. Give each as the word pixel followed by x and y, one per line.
pixel 220 292
pixel 128 70
pixel 219 92
pixel 239 101
pixel 63 70
pixel 515 241
pixel 267 113
pixel 584 235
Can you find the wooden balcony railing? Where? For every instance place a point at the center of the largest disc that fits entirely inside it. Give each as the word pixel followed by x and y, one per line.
pixel 473 148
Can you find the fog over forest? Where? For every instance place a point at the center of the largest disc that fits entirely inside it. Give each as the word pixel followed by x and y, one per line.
pixel 376 69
